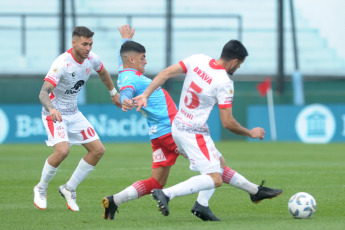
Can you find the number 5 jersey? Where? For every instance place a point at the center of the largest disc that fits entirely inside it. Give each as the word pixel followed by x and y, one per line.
pixel 206 83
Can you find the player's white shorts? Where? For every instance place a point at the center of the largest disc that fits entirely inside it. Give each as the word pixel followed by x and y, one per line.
pixel 75 129
pixel 200 149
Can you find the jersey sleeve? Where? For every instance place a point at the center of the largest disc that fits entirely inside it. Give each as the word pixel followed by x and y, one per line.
pixel 55 72
pixel 127 81
pixel 187 62
pixel 97 64
pixel 225 94
pixel 126 93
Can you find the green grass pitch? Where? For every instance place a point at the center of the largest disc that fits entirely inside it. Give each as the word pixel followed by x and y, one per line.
pixel 294 167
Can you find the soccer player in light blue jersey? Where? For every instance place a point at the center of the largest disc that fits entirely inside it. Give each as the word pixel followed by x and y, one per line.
pixel 160 115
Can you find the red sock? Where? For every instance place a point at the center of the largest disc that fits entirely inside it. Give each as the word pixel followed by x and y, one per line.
pixel 228 174
pixel 145 187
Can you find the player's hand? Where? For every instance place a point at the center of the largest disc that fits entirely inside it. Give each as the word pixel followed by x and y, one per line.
pixel 127 104
pixel 140 101
pixel 257 133
pixel 55 115
pixel 116 100
pixel 126 32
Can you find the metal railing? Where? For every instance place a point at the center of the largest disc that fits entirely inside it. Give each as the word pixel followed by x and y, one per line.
pixel 129 20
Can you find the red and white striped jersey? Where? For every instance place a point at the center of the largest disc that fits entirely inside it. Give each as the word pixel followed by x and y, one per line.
pixel 206 83
pixel 68 76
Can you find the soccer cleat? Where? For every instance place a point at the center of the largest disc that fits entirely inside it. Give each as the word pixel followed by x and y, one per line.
pixel 162 200
pixel 203 212
pixel 70 196
pixel 265 193
pixel 109 207
pixel 40 197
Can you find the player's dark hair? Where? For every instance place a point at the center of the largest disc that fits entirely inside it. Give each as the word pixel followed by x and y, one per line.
pixel 132 46
pixel 234 49
pixel 82 31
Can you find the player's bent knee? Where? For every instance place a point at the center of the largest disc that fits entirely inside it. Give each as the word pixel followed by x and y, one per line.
pixel 61 151
pixel 218 183
pixel 100 151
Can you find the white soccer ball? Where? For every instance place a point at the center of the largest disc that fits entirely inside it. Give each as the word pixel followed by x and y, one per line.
pixel 302 205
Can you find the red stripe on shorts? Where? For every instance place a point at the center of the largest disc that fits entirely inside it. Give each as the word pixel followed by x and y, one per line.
pixel 50 125
pixel 202 145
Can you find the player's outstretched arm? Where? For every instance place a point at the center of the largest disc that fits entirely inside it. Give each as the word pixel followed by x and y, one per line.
pixel 160 79
pixel 230 123
pixel 126 32
pixel 108 82
pixel 47 88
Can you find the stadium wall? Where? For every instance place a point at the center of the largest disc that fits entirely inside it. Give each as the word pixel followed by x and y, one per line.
pixel 25 90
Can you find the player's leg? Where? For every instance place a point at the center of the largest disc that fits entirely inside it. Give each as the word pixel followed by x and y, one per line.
pixel 164 156
pixel 81 132
pixel 235 179
pixel 256 192
pixel 200 152
pixel 57 137
pixel 134 191
pixel 143 187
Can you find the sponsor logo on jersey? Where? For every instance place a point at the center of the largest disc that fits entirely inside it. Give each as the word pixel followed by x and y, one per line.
pixel 73 74
pixel 76 88
pixel 188 115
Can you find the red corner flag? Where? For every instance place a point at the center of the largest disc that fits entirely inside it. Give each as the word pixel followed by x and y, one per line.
pixel 264 86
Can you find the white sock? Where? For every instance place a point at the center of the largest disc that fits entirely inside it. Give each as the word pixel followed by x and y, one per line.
pixel 130 193
pixel 190 186
pixel 239 181
pixel 48 173
pixel 80 173
pixel 204 196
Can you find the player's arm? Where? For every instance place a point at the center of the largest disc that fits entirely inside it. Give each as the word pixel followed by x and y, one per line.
pixel 126 96
pixel 230 123
pixel 126 33
pixel 160 79
pixel 108 82
pixel 46 89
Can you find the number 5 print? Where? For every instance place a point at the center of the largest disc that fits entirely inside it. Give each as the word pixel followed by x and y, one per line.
pixel 193 90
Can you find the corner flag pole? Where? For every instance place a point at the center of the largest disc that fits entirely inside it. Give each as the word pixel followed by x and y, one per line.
pixel 265 88
pixel 271 114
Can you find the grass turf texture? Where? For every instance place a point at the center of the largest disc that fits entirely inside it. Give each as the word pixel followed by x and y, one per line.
pixel 294 167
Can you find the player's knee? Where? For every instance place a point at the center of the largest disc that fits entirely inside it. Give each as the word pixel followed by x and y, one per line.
pixel 61 150
pixel 218 182
pixel 217 179
pixel 99 152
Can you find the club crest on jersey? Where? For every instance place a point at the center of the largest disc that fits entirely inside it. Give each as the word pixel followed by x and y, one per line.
pixel 204 76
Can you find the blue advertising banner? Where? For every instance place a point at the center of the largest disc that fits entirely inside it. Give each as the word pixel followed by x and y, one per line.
pixel 315 123
pixel 23 124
